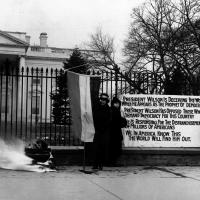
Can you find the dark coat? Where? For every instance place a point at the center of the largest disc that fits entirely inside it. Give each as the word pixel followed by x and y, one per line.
pixel 116 137
pixel 102 119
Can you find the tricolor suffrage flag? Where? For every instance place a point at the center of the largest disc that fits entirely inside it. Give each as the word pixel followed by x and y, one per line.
pixel 83 93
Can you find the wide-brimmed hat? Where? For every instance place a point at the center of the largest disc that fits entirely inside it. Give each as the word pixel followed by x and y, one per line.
pixel 104 96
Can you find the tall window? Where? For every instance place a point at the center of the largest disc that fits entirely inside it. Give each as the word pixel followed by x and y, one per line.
pixel 36 105
pixel 36 81
pixel 4 107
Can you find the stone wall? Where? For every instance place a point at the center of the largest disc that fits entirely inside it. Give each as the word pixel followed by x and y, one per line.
pixel 132 156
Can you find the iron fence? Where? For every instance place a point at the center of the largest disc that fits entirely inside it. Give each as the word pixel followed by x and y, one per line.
pixel 26 105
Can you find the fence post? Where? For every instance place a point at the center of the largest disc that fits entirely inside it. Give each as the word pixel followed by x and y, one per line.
pixel 116 69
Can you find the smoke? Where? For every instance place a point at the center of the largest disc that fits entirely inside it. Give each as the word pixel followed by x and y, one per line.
pixel 12 156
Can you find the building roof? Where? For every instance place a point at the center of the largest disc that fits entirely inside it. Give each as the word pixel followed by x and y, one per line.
pixel 14 39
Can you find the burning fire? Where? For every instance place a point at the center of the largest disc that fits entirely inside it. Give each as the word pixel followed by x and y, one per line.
pixel 12 156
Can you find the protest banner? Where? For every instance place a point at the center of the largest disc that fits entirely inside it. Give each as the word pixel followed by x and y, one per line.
pixel 161 120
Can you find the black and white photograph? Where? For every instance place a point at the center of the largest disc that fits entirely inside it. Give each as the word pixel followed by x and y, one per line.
pixel 100 100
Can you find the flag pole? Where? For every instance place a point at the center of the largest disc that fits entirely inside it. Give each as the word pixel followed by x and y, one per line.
pixel 84 116
pixel 84 154
pixel 84 159
pixel 84 150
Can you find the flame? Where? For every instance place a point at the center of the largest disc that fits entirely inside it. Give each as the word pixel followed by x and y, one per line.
pixel 12 156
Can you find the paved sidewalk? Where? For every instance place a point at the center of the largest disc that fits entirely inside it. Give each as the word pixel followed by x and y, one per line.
pixel 124 183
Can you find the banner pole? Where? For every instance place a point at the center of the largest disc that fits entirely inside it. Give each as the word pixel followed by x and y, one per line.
pixel 84 157
pixel 84 150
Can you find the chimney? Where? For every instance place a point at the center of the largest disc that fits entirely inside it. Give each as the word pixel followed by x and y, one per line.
pixel 28 38
pixel 43 39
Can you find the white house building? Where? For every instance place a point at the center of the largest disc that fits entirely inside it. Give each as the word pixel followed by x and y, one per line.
pixel 26 95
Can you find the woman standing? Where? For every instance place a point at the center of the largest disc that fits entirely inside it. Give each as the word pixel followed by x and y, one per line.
pixel 116 137
pixel 102 120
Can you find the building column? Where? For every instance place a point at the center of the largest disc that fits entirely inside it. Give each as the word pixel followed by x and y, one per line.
pixel 20 89
pixel 21 62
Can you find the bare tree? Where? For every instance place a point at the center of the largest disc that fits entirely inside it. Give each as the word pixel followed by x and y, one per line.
pixel 164 39
pixel 104 58
pixel 189 10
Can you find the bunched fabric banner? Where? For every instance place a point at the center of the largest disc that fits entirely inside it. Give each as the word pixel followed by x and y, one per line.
pixel 83 92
